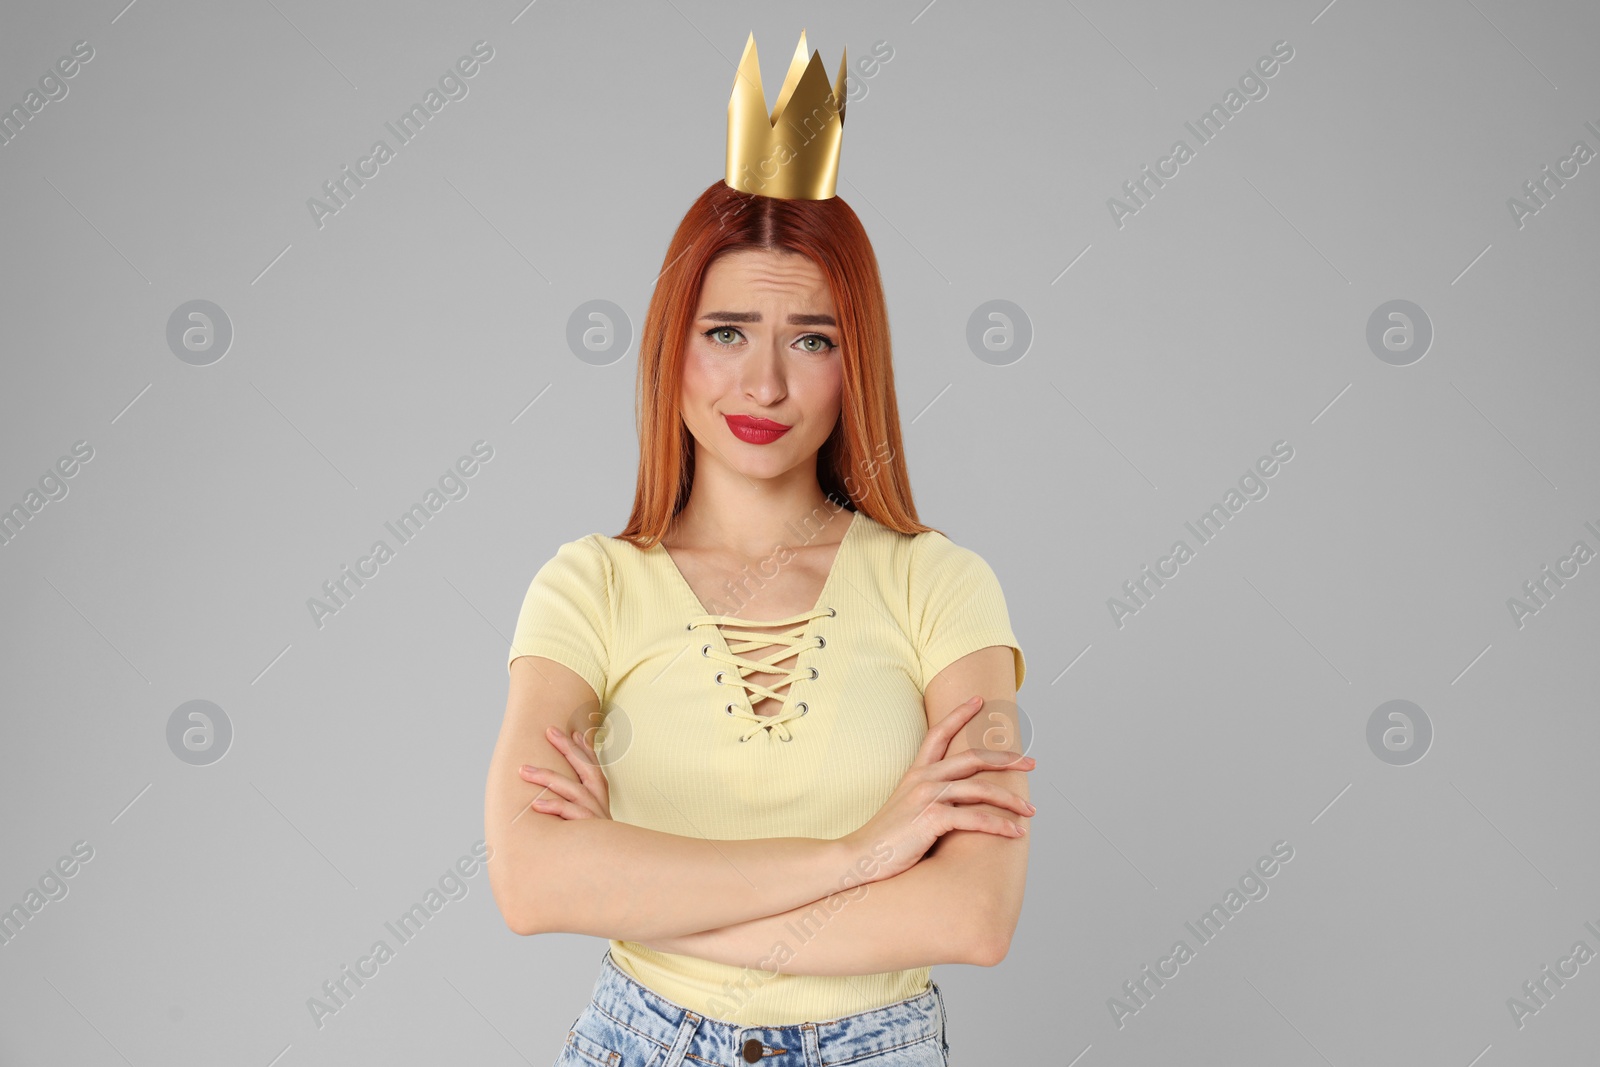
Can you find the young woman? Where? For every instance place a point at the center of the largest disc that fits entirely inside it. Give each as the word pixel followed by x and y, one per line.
pixel 763 739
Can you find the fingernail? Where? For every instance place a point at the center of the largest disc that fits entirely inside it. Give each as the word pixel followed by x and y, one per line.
pixel 551 731
pixel 1031 808
pixel 1021 830
pixel 527 768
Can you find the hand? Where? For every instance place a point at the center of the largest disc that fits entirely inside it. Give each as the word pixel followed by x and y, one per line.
pixel 930 799
pixel 587 798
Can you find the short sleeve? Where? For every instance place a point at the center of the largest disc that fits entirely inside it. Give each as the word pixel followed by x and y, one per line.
pixel 566 614
pixel 956 606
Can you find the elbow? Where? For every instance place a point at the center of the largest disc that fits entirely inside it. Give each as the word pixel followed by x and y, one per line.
pixel 992 940
pixel 522 923
pixel 526 921
pixel 518 917
pixel 523 914
pixel 990 949
pixel 532 896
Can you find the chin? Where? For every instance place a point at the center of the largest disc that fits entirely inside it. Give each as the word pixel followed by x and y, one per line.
pixel 768 463
pixel 765 467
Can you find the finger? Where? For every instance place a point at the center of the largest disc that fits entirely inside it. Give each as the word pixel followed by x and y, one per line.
pixel 595 775
pixel 938 796
pixel 578 759
pixel 941 732
pixel 968 712
pixel 971 792
pixel 557 806
pixel 562 786
pixel 975 760
pixel 937 741
pixel 973 818
pixel 998 760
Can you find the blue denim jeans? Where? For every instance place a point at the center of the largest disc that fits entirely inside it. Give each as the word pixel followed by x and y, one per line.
pixel 628 1025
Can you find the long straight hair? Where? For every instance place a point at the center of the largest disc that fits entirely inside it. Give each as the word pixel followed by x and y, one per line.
pixel 861 465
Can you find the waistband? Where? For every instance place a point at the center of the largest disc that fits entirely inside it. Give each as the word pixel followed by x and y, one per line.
pixel 689 1036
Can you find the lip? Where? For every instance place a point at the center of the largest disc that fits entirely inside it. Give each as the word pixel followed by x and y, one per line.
pixel 754 430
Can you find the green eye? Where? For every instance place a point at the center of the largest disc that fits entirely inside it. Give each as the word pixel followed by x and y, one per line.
pixel 814 343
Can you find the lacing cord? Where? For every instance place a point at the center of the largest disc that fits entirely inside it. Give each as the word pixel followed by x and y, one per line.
pixel 741 641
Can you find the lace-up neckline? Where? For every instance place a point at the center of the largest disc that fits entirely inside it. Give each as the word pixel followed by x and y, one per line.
pixel 730 647
pixel 791 643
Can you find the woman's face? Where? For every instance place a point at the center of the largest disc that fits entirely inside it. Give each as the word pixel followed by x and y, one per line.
pixel 764 344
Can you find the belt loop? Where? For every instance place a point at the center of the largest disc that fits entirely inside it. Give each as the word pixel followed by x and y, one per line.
pixel 812 1045
pixel 680 1047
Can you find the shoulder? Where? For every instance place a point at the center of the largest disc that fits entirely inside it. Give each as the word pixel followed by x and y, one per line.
pixel 928 570
pixel 920 563
pixel 934 559
pixel 589 549
pixel 957 606
pixel 951 587
pixel 585 560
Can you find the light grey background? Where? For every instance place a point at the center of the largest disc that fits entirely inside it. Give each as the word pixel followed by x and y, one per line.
pixel 1168 354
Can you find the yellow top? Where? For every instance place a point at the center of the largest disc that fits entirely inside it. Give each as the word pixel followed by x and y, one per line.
pixel 684 753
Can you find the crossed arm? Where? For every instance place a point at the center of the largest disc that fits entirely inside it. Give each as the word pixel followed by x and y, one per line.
pixel 959 904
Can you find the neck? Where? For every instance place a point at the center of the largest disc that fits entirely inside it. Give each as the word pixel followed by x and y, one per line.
pixel 751 517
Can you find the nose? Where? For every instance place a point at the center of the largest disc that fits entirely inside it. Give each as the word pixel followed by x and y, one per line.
pixel 761 375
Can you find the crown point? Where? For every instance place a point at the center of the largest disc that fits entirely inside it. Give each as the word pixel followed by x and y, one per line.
pixel 791 151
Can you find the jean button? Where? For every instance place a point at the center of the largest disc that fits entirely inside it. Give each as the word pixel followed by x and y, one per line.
pixel 752 1050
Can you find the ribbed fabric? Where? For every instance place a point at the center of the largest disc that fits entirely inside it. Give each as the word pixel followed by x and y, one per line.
pixel 903 607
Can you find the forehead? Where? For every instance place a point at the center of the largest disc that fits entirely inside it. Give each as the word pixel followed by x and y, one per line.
pixel 755 274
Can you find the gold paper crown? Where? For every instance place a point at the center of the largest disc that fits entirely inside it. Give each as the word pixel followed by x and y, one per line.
pixel 794 154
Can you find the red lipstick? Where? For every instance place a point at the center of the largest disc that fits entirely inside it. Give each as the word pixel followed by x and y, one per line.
pixel 755 431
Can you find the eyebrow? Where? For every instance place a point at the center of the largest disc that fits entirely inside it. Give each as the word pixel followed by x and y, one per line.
pixel 755 316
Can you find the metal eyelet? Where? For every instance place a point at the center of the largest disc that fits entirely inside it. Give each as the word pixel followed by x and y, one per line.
pixel 822 642
pixel 832 613
pixel 705 650
pixel 688 626
pixel 815 674
pixel 719 676
pixel 803 706
pixel 730 707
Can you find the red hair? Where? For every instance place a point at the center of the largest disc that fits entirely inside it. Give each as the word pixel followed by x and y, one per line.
pixel 860 466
